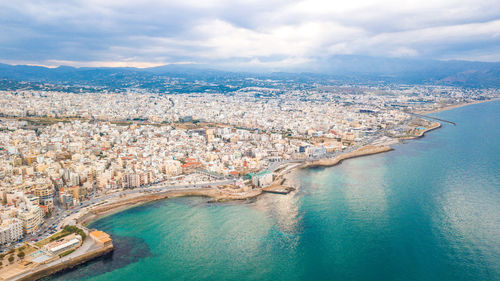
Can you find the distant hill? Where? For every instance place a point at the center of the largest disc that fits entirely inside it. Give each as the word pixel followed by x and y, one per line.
pixel 419 71
pixel 352 69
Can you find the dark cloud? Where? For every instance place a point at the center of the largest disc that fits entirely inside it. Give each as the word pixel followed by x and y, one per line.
pixel 253 32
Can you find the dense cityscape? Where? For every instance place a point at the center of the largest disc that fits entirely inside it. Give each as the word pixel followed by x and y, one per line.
pixel 60 151
pixel 249 140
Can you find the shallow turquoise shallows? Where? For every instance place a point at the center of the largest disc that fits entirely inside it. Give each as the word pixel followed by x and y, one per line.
pixel 429 210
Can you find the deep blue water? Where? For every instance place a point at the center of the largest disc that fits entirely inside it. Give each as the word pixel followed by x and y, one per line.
pixel 429 210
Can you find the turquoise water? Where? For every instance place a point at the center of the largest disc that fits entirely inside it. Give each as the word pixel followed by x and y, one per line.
pixel 429 210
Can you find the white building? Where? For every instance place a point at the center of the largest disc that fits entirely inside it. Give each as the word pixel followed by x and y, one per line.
pixel 66 243
pixel 11 230
pixel 31 217
pixel 262 179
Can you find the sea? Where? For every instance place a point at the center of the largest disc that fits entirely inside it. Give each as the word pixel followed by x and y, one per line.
pixel 428 210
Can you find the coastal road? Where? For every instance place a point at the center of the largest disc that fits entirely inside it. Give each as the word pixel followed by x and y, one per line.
pixel 59 214
pixel 160 188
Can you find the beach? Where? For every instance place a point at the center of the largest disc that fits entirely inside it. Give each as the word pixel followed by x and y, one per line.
pixel 448 107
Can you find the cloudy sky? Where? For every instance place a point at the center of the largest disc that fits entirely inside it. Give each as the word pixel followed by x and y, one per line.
pixel 267 33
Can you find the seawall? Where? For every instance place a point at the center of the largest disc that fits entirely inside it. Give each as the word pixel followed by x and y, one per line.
pixel 46 271
pixel 433 127
pixel 114 207
pixel 365 150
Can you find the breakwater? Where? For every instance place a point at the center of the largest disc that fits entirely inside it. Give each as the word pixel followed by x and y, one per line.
pixel 365 150
pixel 434 126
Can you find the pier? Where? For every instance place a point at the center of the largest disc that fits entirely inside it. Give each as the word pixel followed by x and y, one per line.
pixel 278 190
pixel 430 117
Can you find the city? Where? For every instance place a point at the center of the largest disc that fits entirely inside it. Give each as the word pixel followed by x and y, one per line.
pixel 249 140
pixel 63 151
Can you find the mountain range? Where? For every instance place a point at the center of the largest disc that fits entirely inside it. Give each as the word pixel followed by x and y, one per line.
pixel 343 69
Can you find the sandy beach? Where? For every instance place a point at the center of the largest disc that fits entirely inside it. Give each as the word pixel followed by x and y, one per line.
pixel 454 106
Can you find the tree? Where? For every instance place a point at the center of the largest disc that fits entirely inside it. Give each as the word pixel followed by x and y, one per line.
pixel 11 259
pixel 48 214
pixel 21 255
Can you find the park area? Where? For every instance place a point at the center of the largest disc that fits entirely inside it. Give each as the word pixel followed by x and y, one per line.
pixel 28 256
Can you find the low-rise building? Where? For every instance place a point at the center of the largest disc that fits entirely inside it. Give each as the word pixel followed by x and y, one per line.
pixel 101 238
pixel 64 244
pixel 262 179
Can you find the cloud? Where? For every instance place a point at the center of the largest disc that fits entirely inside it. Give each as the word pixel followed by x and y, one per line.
pixel 272 33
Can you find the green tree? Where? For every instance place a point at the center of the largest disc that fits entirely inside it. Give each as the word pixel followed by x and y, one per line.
pixel 21 255
pixel 11 259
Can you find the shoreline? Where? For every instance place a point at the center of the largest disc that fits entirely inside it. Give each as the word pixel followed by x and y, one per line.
pixel 111 207
pixel 69 264
pixel 434 126
pixel 453 106
pixel 362 151
pixel 107 209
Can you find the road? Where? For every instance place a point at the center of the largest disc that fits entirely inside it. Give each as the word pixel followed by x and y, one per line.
pixel 54 223
pixel 159 188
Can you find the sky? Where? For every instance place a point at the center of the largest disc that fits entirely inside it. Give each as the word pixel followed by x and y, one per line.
pixel 249 33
